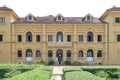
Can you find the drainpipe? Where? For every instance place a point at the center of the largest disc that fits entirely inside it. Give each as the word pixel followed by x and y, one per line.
pixel 108 42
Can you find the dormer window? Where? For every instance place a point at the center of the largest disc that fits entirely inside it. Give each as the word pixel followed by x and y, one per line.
pixel 88 17
pixel 59 17
pixel 30 17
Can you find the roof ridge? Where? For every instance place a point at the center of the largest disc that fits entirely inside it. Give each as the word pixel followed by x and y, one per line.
pixel 4 8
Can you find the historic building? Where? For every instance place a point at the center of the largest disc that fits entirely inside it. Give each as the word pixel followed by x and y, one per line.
pixel 84 39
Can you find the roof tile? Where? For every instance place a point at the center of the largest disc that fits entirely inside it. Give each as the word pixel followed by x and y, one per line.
pixel 51 20
pixel 4 8
pixel 114 9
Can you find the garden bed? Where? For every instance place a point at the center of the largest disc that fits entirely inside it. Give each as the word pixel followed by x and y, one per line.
pixel 92 73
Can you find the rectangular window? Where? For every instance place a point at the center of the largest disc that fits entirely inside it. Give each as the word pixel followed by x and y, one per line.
pixel 37 38
pixel 2 20
pixel 50 38
pixel 88 17
pixel 68 38
pixel 118 37
pixel 1 37
pixel 99 38
pixel 117 19
pixel 19 38
pixel 80 38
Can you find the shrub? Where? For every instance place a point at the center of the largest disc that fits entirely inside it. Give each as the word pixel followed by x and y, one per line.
pixel 41 62
pixel 111 71
pixel 10 70
pixel 40 73
pixel 80 75
pixel 102 74
pixel 67 62
pixel 51 62
pixel 12 73
pixel 72 69
pixel 76 63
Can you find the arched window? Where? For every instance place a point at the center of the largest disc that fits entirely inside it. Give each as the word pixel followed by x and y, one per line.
pixel 29 37
pixel 38 54
pixel 19 53
pixel 99 53
pixel 89 36
pixel 80 54
pixel 28 53
pixel 68 53
pixel 50 53
pixel 90 53
pixel 59 37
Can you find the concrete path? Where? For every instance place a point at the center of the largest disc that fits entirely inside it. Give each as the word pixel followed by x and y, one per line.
pixel 57 70
pixel 57 73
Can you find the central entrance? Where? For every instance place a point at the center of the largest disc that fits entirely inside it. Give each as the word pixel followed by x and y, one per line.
pixel 90 55
pixel 59 55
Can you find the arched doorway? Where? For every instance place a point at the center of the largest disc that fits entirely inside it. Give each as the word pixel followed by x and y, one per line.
pixel 29 55
pixel 59 55
pixel 90 55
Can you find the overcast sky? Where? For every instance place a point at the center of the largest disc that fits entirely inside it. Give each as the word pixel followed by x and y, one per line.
pixel 68 8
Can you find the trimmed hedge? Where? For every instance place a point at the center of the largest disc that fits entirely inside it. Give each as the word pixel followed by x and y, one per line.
pixel 110 71
pixel 76 73
pixel 72 69
pixel 51 62
pixel 80 75
pixel 10 70
pixel 40 73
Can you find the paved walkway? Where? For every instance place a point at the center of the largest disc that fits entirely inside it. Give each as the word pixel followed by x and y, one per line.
pixel 57 70
pixel 57 73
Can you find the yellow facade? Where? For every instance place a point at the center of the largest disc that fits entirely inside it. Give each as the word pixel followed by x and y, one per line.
pixel 65 34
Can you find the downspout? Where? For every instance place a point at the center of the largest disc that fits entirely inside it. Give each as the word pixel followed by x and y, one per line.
pixel 108 42
pixel 11 41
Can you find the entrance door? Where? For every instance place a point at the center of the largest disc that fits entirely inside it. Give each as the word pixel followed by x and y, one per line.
pixel 29 55
pixel 59 55
pixel 90 55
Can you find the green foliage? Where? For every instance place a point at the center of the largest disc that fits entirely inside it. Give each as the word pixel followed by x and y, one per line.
pixel 67 62
pixel 51 62
pixel 72 69
pixel 41 62
pixel 108 70
pixel 40 73
pixel 76 63
pixel 111 72
pixel 80 75
pixel 10 70
pixel 102 74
